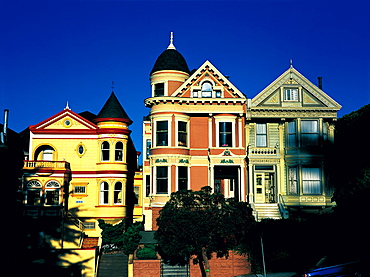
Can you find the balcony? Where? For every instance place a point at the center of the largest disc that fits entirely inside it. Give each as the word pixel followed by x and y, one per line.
pixel 50 165
pixel 263 151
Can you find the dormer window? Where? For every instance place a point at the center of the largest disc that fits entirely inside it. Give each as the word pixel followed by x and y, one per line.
pixel 207 89
pixel 291 94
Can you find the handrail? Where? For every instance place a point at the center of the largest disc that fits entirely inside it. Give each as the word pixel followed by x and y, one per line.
pixel 78 223
pixel 283 207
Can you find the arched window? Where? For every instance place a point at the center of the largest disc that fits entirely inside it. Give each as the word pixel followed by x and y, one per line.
pixel 104 193
pixel 52 193
pixel 45 153
pixel 119 151
pixel 105 151
pixel 118 193
pixel 33 196
pixel 206 89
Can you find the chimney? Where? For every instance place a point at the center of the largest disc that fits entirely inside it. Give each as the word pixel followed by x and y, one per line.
pixel 3 134
pixel 320 82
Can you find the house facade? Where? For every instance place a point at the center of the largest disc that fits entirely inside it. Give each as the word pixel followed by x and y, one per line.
pixel 81 168
pixel 203 131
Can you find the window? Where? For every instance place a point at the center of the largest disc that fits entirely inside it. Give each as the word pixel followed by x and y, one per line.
pixel 311 180
pixel 162 179
pixel 291 94
pixel 147 185
pixel 159 89
pixel 218 93
pixel 47 154
pixel 79 189
pixel 33 193
pixel 206 89
pixel 225 134
pixel 137 195
pixel 182 177
pixel 182 133
pixel 261 135
pixel 52 193
pixel 118 193
pixel 292 134
pixel 309 132
pixel 162 133
pixel 293 180
pixel 89 225
pixel 105 151
pixel 195 93
pixel 104 193
pixel 148 146
pixel 119 151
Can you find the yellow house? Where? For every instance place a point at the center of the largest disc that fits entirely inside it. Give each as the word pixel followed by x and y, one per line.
pixel 81 168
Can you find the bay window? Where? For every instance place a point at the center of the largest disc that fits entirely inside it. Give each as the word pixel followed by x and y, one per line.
pixel 162 179
pixel 182 133
pixel 162 133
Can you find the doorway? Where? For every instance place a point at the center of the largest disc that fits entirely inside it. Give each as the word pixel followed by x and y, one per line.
pixel 226 181
pixel 264 185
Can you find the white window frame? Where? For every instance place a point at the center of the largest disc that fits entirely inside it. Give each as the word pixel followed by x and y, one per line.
pixel 117 193
pixel 291 94
pixel 265 135
pixel 178 176
pixel 231 119
pixel 103 193
pixel 156 179
pixel 52 186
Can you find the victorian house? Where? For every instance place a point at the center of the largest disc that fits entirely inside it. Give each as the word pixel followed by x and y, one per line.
pixel 80 169
pixel 203 131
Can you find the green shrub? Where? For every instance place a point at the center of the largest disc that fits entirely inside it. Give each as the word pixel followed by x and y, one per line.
pixel 147 252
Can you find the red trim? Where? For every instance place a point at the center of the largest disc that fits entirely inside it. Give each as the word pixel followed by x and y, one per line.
pixel 64 131
pixel 126 120
pixel 113 131
pixel 54 118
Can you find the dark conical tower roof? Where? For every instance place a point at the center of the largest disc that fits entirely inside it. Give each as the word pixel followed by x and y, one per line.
pixel 113 109
pixel 170 59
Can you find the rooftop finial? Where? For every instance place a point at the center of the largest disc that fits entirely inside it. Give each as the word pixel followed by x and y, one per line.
pixel 291 63
pixel 67 107
pixel 112 86
pixel 171 46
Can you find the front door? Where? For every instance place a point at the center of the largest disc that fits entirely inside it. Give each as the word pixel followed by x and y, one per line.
pixel 264 187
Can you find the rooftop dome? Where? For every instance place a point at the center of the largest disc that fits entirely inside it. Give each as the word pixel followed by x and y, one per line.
pixel 112 109
pixel 170 59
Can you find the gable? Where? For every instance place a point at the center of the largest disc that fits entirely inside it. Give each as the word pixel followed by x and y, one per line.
pixel 293 90
pixel 64 121
pixel 208 82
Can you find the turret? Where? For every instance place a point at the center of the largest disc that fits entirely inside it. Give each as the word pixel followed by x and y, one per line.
pixel 169 72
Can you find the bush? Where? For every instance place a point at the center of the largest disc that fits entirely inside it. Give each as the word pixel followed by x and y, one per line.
pixel 147 252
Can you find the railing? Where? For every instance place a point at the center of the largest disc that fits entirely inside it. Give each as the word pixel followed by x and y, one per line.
pixel 46 164
pixel 269 151
pixel 283 207
pixel 78 223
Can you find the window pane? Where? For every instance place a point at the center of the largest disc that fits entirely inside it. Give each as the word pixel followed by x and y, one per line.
pixel 52 197
pixel 261 136
pixel 118 193
pixel 105 151
pixel 309 132
pixel 225 135
pixel 104 193
pixel 159 89
pixel 162 133
pixel 162 179
pixel 311 181
pixel 119 151
pixel 182 133
pixel 292 138
pixel 293 180
pixel 182 178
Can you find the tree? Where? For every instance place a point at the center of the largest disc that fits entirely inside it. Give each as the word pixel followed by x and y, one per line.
pixel 195 224
pixel 131 239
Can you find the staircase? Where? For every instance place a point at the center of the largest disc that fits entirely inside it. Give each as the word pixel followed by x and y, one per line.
pixel 113 265
pixel 174 271
pixel 90 242
pixel 266 210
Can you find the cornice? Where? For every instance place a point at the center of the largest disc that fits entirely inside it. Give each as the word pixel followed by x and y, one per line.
pixel 149 102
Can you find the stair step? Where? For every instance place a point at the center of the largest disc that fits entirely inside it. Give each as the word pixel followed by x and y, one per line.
pixel 113 265
pixel 267 210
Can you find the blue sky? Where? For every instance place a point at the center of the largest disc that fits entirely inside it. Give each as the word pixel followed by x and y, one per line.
pixel 54 51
